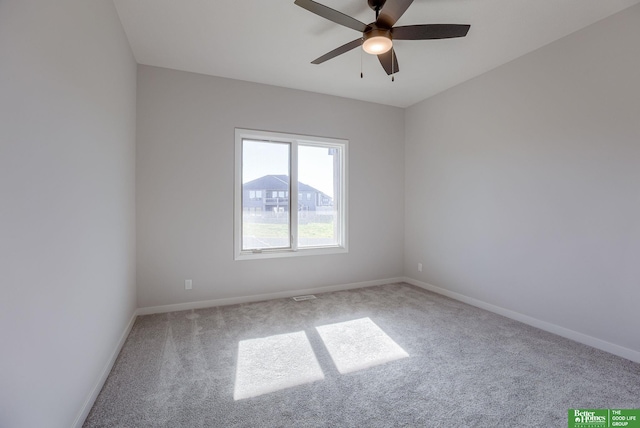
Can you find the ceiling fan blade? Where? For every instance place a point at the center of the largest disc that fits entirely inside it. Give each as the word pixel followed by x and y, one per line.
pixel 386 61
pixel 338 51
pixel 391 12
pixel 429 31
pixel 332 15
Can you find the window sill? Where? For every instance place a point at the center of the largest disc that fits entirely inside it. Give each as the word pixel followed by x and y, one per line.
pixel 280 253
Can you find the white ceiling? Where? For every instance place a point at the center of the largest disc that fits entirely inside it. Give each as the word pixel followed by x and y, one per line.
pixel 274 41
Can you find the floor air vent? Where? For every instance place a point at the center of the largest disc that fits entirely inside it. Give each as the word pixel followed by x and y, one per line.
pixel 307 297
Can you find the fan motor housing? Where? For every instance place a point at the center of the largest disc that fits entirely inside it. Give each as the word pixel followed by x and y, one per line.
pixel 377 32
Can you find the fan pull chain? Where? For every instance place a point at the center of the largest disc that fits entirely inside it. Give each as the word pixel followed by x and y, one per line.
pixel 393 77
pixel 361 74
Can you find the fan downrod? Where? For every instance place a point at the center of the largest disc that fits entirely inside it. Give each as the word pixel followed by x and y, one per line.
pixel 376 5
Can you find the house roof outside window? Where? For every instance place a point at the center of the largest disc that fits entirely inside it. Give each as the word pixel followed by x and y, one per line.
pixel 278 182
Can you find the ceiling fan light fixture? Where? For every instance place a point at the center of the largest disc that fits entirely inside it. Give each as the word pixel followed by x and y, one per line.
pixel 377 41
pixel 377 37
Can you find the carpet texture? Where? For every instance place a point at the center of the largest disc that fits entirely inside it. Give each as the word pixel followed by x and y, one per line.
pixel 387 356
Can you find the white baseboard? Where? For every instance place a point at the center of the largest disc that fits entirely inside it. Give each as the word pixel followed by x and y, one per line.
pixel 260 297
pixel 88 404
pixel 594 342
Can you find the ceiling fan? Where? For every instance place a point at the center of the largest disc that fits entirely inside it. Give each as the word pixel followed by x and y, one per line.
pixel 378 36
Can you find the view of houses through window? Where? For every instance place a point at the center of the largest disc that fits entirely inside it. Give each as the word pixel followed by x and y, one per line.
pixel 291 194
pixel 265 199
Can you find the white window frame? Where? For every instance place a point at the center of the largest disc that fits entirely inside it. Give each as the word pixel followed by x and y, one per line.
pixel 294 140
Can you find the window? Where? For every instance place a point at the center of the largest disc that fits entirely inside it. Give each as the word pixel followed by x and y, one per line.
pixel 285 223
pixel 255 194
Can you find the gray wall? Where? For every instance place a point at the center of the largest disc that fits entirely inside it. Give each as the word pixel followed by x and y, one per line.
pixel 522 185
pixel 67 219
pixel 185 167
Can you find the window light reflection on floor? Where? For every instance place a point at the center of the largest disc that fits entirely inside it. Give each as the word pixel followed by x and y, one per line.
pixel 359 344
pixel 273 363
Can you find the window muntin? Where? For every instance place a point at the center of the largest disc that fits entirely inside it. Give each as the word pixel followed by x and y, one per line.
pixel 291 171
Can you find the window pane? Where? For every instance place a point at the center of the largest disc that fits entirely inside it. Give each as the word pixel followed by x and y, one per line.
pixel 265 221
pixel 318 213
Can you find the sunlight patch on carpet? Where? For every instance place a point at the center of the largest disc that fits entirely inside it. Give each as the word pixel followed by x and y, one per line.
pixel 273 363
pixel 359 344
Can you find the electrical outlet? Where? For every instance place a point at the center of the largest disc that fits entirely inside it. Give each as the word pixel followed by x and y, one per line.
pixel 188 284
pixel 419 267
